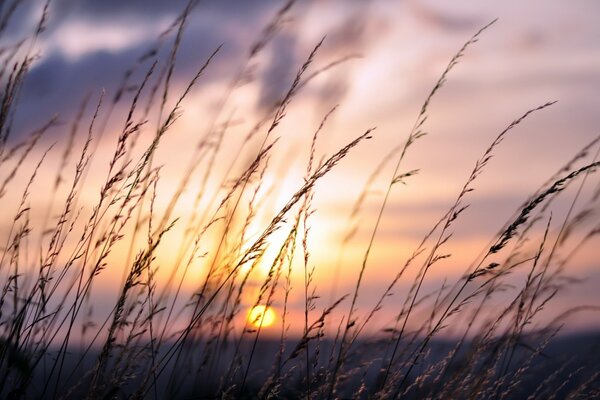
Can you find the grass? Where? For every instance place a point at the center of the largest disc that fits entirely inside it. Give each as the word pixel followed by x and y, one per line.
pixel 157 341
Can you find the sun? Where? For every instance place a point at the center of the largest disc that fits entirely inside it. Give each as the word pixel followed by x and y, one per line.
pixel 261 316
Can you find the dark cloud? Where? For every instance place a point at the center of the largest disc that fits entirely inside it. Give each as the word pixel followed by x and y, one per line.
pixel 443 19
pixel 279 73
pixel 12 20
pixel 348 38
pixel 351 35
pixel 354 36
pixel 111 8
pixel 56 84
pixel 154 9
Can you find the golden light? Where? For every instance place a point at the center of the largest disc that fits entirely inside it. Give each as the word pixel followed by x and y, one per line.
pixel 261 316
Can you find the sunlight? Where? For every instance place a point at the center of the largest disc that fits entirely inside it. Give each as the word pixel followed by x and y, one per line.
pixel 261 316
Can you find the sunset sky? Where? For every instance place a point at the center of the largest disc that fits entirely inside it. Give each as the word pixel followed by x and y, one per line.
pixel 537 51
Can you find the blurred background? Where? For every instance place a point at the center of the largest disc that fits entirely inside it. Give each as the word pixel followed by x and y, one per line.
pixel 380 59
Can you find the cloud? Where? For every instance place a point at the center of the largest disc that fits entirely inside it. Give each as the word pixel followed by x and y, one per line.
pixel 353 36
pixel 89 45
pixel 443 20
pixel 278 75
pixel 112 8
pixel 77 38
pixel 157 9
pixel 82 55
pixel 22 21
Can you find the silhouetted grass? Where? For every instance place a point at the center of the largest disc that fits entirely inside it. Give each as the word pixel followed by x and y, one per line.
pixel 158 343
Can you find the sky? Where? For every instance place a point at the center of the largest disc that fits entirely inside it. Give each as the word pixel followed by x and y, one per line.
pixel 393 53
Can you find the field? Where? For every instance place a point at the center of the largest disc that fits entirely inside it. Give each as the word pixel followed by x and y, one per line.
pixel 236 200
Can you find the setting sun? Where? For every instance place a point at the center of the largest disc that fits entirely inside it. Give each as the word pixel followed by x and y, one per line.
pixel 261 316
